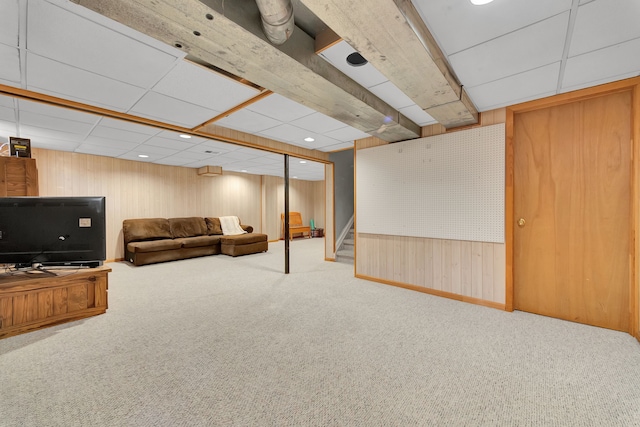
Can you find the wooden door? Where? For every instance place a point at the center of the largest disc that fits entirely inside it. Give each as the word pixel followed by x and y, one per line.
pixel 572 189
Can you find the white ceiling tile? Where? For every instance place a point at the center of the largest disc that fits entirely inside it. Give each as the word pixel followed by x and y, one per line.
pixel 191 156
pixel 100 150
pixel 531 47
pixel 133 155
pixel 220 160
pixel 459 25
pixel 318 123
pixel 337 147
pixel 320 141
pixel 417 115
pixel 521 87
pixel 7 114
pixel 170 110
pixel 7 101
pixel 366 75
pixel 103 21
pixel 155 152
pixel 9 64
pixel 280 108
pixel 35 133
pixel 173 161
pixel 390 94
pixel 346 134
pixel 7 129
pixel 54 33
pixel 9 19
pixel 612 63
pixel 111 143
pixel 201 86
pixel 275 158
pixel 286 133
pixel 54 123
pixel 172 144
pixel 248 121
pixel 55 78
pixel 171 135
pixel 42 109
pixel 240 154
pixel 214 145
pixel 129 126
pixel 119 134
pixel 604 23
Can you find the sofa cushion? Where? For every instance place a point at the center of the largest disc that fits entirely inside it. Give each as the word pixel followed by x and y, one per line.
pixel 187 227
pixel 142 229
pixel 243 239
pixel 153 245
pixel 198 241
pixel 213 226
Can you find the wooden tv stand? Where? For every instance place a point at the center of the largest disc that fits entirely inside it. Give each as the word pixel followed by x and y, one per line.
pixel 37 300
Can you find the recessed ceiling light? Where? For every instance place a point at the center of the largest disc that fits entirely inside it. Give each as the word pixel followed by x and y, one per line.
pixel 309 139
pixel 185 136
pixel 295 177
pixel 143 156
pixel 243 170
pixel 303 161
pixel 480 2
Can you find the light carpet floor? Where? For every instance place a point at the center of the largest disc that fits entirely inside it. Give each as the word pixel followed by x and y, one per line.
pixel 221 341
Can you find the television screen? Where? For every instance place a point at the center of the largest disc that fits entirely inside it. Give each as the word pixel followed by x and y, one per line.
pixel 52 231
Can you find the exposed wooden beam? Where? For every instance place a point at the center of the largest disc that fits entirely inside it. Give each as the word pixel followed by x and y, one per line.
pixel 393 38
pixel 228 35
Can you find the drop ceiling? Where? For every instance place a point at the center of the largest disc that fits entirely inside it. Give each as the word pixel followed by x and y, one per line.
pixel 503 53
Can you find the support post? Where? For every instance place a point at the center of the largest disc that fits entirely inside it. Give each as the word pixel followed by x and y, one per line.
pixel 286 214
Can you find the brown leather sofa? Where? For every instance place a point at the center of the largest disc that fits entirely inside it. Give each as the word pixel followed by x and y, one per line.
pixel 152 240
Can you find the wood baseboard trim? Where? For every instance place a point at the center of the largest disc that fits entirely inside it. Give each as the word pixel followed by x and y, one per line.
pixel 436 292
pixel 330 259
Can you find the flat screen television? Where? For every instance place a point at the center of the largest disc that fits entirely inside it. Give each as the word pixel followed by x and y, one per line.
pixel 52 231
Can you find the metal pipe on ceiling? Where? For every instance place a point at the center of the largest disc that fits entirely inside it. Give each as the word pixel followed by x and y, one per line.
pixel 277 19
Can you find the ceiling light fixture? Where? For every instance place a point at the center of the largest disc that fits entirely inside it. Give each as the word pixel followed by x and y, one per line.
pixel 303 161
pixel 309 139
pixel 356 60
pixel 480 2
pixel 142 156
pixel 185 136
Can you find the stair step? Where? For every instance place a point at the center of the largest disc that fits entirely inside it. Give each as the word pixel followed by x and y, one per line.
pixel 345 254
pixel 348 242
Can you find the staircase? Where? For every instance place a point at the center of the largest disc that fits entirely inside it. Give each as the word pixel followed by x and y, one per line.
pixel 344 253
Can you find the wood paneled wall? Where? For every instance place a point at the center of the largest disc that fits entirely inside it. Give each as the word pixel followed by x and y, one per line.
pixel 467 271
pixel 145 190
pixel 303 198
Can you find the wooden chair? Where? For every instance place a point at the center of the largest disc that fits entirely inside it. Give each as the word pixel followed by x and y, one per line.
pixel 296 225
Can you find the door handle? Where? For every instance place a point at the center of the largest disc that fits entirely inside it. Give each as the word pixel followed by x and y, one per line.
pixel 521 222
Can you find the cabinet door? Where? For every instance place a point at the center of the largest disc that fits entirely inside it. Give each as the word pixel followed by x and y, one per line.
pixel 18 177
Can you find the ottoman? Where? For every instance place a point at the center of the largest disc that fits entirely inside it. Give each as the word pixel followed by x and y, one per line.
pixel 243 244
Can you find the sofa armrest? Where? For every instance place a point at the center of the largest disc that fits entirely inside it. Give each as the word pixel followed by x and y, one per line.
pixel 247 228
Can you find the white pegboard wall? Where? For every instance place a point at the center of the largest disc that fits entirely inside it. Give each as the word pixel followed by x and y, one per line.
pixel 448 186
